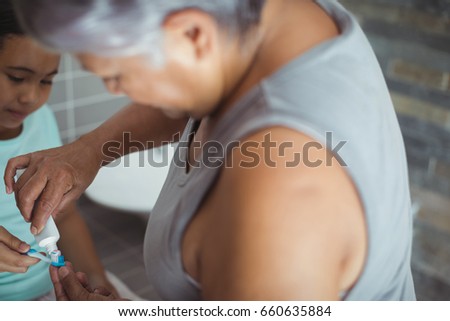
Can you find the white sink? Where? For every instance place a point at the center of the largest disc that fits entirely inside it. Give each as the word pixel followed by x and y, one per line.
pixel 133 182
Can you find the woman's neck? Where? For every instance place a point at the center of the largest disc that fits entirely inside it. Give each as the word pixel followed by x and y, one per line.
pixel 278 41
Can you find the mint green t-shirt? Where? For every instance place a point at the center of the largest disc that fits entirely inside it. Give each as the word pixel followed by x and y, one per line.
pixel 40 131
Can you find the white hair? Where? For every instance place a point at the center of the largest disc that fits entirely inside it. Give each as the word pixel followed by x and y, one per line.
pixel 122 27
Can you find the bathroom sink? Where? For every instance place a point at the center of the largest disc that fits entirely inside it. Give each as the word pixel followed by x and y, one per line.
pixel 133 182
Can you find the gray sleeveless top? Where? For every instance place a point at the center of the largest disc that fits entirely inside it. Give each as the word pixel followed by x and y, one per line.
pixel 337 87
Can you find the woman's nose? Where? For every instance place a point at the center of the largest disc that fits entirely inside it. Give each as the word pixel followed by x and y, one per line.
pixel 113 86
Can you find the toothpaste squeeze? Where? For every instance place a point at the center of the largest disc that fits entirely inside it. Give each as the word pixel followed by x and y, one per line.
pixel 48 238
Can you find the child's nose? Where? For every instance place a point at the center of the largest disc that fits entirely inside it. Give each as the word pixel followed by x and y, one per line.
pixel 30 96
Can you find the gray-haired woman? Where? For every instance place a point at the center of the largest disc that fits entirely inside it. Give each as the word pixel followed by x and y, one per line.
pixel 300 190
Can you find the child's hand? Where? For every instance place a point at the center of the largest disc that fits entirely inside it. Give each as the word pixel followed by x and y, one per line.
pixel 11 253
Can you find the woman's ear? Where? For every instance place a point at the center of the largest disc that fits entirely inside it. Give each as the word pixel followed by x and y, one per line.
pixel 192 30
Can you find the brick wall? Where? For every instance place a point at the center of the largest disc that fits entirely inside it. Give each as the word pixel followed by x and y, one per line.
pixel 412 41
pixel 439 7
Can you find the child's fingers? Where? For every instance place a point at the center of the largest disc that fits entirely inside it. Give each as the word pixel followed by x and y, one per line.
pixel 13 262
pixel 13 242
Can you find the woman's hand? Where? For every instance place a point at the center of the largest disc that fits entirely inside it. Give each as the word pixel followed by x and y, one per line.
pixel 71 286
pixel 52 179
pixel 101 282
pixel 11 253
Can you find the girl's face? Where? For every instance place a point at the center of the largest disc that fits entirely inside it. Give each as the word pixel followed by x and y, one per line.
pixel 26 75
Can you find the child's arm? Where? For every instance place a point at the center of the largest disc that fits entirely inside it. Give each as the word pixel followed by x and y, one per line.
pixel 77 246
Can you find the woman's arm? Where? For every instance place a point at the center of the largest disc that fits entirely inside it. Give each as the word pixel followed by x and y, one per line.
pixel 148 127
pixel 58 176
pixel 278 230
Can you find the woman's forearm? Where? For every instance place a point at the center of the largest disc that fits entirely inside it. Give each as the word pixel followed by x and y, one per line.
pixel 135 127
pixel 67 171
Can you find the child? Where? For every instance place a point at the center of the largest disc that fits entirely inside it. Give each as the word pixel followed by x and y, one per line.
pixel 27 125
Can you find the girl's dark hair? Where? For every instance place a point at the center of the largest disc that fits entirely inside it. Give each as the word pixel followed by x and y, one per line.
pixel 9 25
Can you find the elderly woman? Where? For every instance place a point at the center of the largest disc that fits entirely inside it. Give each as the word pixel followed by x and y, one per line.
pixel 290 181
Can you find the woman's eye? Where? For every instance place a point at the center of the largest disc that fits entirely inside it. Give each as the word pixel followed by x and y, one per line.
pixel 16 79
pixel 110 79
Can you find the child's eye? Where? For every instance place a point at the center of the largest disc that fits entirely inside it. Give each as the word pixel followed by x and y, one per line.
pixel 15 79
pixel 47 82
